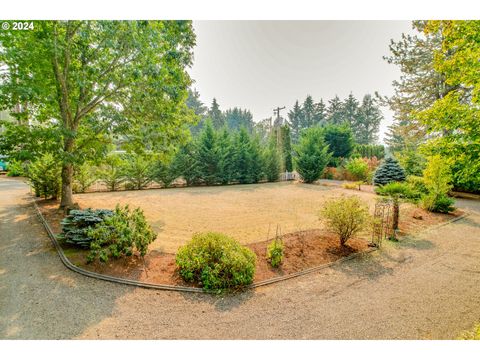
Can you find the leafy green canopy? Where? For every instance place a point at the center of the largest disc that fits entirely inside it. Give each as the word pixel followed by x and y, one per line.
pixel 453 120
pixel 88 79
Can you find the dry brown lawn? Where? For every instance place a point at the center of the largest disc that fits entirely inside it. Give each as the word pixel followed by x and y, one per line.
pixel 246 212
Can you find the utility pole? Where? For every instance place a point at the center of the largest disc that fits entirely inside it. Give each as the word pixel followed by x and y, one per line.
pixel 276 111
pixel 277 128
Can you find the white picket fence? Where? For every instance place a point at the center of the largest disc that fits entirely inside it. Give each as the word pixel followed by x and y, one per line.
pixel 287 176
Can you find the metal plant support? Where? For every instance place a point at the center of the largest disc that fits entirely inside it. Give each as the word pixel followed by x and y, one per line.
pixel 382 221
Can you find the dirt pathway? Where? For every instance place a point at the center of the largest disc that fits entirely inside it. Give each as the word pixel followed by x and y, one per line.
pixel 419 288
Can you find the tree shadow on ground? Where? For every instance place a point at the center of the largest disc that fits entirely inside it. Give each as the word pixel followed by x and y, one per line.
pixel 39 297
pixel 470 222
pixel 414 243
pixel 370 266
pixel 222 302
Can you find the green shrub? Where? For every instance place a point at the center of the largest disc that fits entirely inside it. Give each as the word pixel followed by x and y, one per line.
pixel 438 182
pixel 345 216
pixel 76 225
pixel 120 234
pixel 216 261
pixel 412 161
pixel 358 168
pixel 397 190
pixel 45 176
pixel 438 203
pixel 275 252
pixel 16 168
pixel 417 184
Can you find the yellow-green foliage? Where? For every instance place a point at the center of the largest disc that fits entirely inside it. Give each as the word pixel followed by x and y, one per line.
pixel 471 335
pixel 437 177
pixel 275 252
pixel 216 261
pixel 345 216
pixel 352 185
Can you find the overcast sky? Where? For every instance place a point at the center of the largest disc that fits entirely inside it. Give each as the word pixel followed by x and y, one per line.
pixel 259 65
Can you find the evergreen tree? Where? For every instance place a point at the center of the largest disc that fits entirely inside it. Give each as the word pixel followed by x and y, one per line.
pixel 312 154
pixel 308 113
pixel 339 139
pixel 263 129
pixel 236 118
pixel 218 120
pixel 287 148
pixel 208 155
pixel 226 153
pixel 368 124
pixel 272 160
pixel 256 159
pixel 389 171
pixel 335 111
pixel 194 103
pixel 320 116
pixel 419 85
pixel 351 113
pixel 185 163
pixel 295 121
pixel 243 157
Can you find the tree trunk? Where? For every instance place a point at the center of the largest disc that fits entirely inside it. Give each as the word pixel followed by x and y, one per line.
pixel 66 201
pixel 396 213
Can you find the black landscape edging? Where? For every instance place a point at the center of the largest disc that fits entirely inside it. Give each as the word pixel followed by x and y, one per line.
pixel 123 281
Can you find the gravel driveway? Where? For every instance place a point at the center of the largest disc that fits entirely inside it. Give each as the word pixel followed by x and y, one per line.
pixel 420 288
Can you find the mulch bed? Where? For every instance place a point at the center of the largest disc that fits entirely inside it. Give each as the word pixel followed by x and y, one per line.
pixel 303 250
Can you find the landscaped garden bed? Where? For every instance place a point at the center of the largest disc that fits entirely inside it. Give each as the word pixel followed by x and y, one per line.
pixel 302 249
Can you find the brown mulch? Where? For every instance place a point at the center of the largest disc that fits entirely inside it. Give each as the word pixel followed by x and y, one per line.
pixel 302 249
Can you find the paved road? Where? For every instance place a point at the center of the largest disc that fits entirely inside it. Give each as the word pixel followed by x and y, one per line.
pixel 422 288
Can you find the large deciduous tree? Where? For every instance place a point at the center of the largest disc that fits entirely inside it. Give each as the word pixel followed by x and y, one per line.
pixel 453 120
pixel 69 73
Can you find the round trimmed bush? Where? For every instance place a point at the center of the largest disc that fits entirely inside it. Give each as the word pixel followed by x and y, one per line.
pixel 216 261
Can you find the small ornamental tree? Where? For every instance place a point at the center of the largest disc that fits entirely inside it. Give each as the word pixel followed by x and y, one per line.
pixel 345 216
pixel 358 168
pixel 389 171
pixel 312 154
